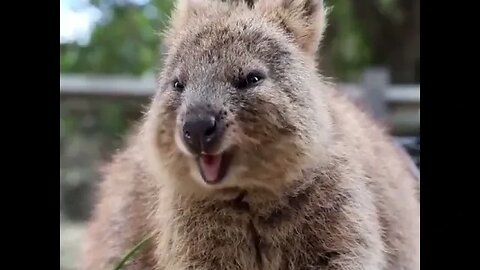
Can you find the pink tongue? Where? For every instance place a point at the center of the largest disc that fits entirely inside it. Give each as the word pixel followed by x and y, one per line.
pixel 210 166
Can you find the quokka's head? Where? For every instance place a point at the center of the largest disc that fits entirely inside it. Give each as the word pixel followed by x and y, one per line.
pixel 239 100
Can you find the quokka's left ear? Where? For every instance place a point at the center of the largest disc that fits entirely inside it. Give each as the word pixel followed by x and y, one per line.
pixel 305 20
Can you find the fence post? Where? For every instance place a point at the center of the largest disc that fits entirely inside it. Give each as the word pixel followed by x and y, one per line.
pixel 375 82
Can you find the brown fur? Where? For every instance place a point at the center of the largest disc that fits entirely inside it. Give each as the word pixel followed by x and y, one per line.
pixel 314 183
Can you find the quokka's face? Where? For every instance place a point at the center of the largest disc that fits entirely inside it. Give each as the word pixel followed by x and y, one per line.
pixel 232 108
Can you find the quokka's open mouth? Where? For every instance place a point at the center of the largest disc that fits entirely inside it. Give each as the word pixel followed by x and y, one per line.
pixel 213 168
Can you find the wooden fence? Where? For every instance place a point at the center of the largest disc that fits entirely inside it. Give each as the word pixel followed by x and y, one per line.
pixel 396 105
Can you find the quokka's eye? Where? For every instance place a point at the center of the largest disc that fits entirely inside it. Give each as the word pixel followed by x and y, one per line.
pixel 253 78
pixel 177 85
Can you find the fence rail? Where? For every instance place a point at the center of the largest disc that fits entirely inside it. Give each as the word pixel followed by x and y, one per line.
pixel 112 86
pixel 397 105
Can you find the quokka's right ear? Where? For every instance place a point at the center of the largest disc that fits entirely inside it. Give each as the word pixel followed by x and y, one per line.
pixel 184 11
pixel 189 6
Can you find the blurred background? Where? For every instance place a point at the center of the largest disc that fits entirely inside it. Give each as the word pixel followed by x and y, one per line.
pixel 110 51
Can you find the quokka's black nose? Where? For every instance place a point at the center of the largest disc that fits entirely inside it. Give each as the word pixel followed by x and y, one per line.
pixel 201 132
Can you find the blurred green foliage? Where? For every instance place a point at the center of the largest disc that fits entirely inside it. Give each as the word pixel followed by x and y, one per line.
pixel 350 49
pixel 126 40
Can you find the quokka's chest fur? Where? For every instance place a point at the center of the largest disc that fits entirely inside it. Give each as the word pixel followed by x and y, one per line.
pixel 310 228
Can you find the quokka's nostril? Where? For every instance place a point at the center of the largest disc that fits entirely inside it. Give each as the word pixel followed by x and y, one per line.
pixel 211 130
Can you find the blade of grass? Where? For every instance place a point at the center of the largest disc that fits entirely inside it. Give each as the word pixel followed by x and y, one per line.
pixel 132 252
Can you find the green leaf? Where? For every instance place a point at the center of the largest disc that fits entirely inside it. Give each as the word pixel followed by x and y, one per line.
pixel 134 251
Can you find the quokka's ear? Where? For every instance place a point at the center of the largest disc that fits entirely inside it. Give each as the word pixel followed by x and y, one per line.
pixel 183 12
pixel 305 20
pixel 184 9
